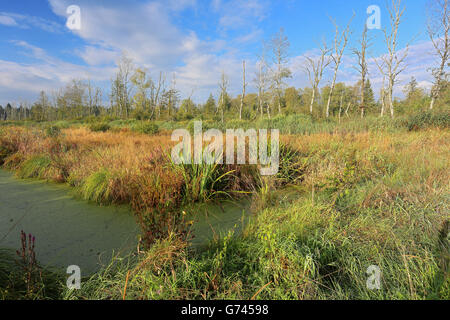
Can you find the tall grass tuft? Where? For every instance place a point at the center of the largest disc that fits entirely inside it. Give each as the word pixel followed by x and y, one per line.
pixel 97 187
pixel 35 167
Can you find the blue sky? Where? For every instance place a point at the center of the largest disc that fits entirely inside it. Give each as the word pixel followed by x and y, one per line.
pixel 193 39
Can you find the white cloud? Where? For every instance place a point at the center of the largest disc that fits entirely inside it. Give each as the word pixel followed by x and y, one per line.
pixel 96 56
pixel 235 13
pixel 7 21
pixel 146 32
pixel 252 36
pixel 20 81
pixel 179 5
pixel 27 22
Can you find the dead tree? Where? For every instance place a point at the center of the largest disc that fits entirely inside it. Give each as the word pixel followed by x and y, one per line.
pixel 362 67
pixel 314 68
pixel 172 97
pixel 391 65
pixel 438 29
pixel 223 85
pixel 340 43
pixel 261 81
pixel 244 85
pixel 123 84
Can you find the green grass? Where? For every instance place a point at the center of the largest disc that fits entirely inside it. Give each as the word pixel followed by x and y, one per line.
pixel 299 250
pixel 34 167
pixel 97 187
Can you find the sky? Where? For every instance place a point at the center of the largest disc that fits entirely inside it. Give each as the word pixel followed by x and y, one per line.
pixel 191 40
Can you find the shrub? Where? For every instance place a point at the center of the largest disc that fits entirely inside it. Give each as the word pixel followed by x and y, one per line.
pixel 206 125
pixel 99 127
pixel 427 120
pixel 155 199
pixel 238 124
pixel 8 146
pixel 148 128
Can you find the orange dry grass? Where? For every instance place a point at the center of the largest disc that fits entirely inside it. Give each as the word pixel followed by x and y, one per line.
pixel 140 171
pixel 79 153
pixel 424 154
pixel 123 153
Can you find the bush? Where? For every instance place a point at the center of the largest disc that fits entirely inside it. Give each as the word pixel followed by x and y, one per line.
pixel 148 128
pixel 99 127
pixel 427 120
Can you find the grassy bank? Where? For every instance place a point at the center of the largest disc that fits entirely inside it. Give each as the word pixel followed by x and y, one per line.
pixel 343 200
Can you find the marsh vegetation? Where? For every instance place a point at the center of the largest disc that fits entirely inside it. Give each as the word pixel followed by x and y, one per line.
pixel 346 197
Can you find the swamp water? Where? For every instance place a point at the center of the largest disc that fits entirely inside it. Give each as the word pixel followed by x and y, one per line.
pixel 69 231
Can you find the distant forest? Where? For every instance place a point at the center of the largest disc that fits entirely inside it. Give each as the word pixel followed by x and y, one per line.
pixel 76 102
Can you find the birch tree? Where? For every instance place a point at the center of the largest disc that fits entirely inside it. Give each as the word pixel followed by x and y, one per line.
pixel 261 81
pixel 94 98
pixel 142 83
pixel 121 87
pixel 244 85
pixel 438 29
pixel 383 96
pixel 391 65
pixel 362 67
pixel 172 97
pixel 340 43
pixel 280 48
pixel 315 67
pixel 223 85
pixel 157 91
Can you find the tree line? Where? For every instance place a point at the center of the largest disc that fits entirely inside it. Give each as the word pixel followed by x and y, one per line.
pixel 135 94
